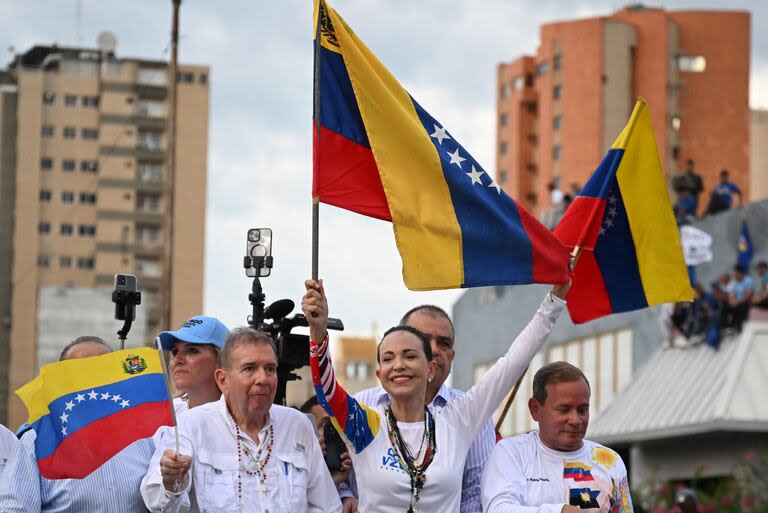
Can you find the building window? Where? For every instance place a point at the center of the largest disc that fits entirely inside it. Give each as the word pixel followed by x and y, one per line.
pixel 49 98
pixel 147 233
pixel 65 262
pixel 151 76
pixel 67 197
pixel 68 165
pixel 88 198
pixel 46 163
pixel 150 172
pixel 557 123
pixel 70 100
pixel 45 195
pixel 502 148
pixel 44 228
pixel 692 63
pixel 203 78
pixel 542 68
pixel 503 176
pixel 556 152
pixel 48 131
pixel 150 108
pixel 676 123
pixel 85 263
pixel 532 107
pixel 557 62
pixel 518 83
pixel 185 77
pixel 147 268
pixel 148 202
pixel 557 92
pixel 69 132
pixel 89 133
pixel 87 230
pixel 66 229
pixel 150 140
pixel 531 168
pixel 89 166
pixel 505 90
pixel 43 261
pixel 90 101
pixel 503 119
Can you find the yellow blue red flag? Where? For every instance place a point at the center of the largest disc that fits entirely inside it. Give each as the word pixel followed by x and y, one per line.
pixel 85 411
pixel 377 152
pixel 623 221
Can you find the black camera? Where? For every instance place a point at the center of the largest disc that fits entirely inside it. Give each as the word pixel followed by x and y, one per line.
pixel 126 297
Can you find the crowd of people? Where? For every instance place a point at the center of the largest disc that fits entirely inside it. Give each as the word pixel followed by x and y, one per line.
pixel 723 308
pixel 688 186
pixel 412 444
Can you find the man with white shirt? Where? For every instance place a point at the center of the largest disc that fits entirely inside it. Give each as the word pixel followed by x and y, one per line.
pixel 249 455
pixel 554 469
pixel 8 442
pixel 435 323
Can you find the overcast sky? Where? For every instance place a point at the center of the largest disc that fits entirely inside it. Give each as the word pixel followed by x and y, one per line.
pixel 444 52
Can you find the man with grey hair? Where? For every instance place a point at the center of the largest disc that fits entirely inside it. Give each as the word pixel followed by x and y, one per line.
pixel 436 324
pixel 554 469
pixel 112 488
pixel 249 455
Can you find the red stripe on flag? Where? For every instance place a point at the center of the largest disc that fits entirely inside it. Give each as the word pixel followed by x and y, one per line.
pixel 345 175
pixel 549 259
pixel 588 297
pixel 90 447
pixel 580 225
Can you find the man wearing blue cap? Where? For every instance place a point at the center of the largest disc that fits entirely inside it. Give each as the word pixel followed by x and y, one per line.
pixel 195 349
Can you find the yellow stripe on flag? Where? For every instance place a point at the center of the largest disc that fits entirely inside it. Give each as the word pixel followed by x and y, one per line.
pixel 410 169
pixel 651 219
pixel 68 376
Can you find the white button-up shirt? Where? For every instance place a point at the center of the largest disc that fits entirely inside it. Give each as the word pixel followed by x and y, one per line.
pixel 297 478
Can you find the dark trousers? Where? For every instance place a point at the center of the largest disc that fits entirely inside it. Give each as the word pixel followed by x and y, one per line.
pixel 734 316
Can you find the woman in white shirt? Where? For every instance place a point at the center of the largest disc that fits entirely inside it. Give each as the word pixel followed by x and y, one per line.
pixel 195 355
pixel 405 458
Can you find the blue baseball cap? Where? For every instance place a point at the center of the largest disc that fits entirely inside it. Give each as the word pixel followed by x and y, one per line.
pixel 197 330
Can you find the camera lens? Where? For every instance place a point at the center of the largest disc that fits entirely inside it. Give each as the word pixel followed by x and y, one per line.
pixel 253 235
pixel 121 280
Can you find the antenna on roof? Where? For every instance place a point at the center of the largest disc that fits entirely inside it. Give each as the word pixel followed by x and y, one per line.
pixel 79 22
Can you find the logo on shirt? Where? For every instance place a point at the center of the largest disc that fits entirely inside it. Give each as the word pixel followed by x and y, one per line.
pixel 577 471
pixel 391 462
pixel 584 498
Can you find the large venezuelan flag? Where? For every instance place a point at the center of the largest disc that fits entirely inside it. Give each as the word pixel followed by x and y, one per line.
pixel 379 153
pixel 631 253
pixel 87 410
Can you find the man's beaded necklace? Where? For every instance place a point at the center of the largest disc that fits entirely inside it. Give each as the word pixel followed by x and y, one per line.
pixel 259 462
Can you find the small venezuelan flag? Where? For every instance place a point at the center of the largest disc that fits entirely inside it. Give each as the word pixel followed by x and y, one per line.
pixel 631 253
pixel 377 152
pixel 577 471
pixel 85 411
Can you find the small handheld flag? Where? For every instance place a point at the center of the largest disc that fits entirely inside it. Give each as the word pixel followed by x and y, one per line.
pixel 85 411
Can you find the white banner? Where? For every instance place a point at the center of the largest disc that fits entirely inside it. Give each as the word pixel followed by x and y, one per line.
pixel 697 245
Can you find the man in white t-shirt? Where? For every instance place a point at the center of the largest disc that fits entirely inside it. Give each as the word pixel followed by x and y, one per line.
pixel 8 442
pixel 554 469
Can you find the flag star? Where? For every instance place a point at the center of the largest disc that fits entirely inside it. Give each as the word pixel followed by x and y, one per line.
pixel 602 231
pixel 495 185
pixel 456 158
pixel 64 417
pixel 608 223
pixel 475 176
pixel 69 405
pixel 612 211
pixel 64 431
pixel 105 395
pixel 80 398
pixel 93 395
pixel 440 134
pixel 124 403
pixel 612 200
pixel 116 398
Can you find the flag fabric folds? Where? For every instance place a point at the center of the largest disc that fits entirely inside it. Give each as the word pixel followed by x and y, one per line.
pixel 377 152
pixel 631 253
pixel 744 247
pixel 85 411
